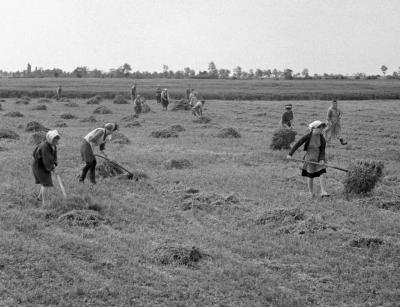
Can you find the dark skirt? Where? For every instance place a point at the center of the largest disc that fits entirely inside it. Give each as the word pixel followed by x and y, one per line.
pixel 87 152
pixel 42 176
pixel 164 102
pixel 313 175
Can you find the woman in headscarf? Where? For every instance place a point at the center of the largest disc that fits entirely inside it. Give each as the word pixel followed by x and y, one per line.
pixel 314 146
pixel 96 137
pixel 45 162
pixel 197 110
pixel 334 129
pixel 165 99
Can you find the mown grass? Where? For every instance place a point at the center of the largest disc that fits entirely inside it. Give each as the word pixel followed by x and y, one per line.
pixel 45 262
pixel 210 89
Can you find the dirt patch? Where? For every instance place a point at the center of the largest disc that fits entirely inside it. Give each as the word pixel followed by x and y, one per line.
pixel 177 128
pixel 119 138
pixel 362 176
pixel 282 138
pixel 102 110
pixel 44 100
pixel 290 215
pixel 178 255
pixel 8 134
pixel 119 99
pixel 182 104
pixel 67 116
pixel 178 164
pixel 108 169
pixel 228 133
pixel 90 119
pixel 41 107
pixel 366 242
pixel 202 120
pixel 84 218
pixel 14 114
pixel 71 104
pixel 37 138
pixel 94 100
pixel 35 127
pixel 165 133
pixel 60 124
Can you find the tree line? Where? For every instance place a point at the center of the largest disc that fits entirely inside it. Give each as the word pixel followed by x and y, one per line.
pixel 126 71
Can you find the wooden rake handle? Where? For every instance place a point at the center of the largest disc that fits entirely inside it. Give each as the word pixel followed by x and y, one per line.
pixel 316 163
pixel 120 166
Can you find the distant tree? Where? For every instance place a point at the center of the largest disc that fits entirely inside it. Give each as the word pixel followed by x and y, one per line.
pixel 186 72
pixel 223 73
pixel 165 71
pixel 126 69
pixel 305 73
pixel 258 73
pixel 212 70
pixel 267 73
pixel 276 73
pixel 237 72
pixel 80 72
pixel 251 74
pixel 288 74
pixel 384 69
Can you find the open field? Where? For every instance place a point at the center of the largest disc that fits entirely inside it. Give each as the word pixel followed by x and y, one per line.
pixel 255 256
pixel 211 89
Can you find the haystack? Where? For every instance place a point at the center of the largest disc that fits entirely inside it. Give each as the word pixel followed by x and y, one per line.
pixel 130 118
pixel 134 175
pixel 119 138
pixel 40 107
pixel 35 127
pixel 63 99
pixel 228 133
pixel 23 100
pixel 71 104
pixel 102 110
pixel 177 255
pixel 366 242
pixel 178 164
pixel 133 124
pixel 282 138
pixel 165 133
pixel 8 134
pixel 177 128
pixel 14 114
pixel 108 169
pixel 182 104
pixel 94 100
pixel 90 119
pixel 67 116
pixel 280 215
pixel 60 124
pixel 37 138
pixel 59 205
pixel 85 218
pixel 44 100
pixel 362 176
pixel 119 99
pixel 202 120
pixel 145 107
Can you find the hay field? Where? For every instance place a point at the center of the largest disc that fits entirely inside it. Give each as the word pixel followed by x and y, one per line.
pixel 238 204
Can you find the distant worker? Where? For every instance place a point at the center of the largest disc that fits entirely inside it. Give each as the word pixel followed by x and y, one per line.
pixel 133 91
pixel 96 137
pixel 59 92
pixel 197 110
pixel 165 99
pixel 188 90
pixel 138 104
pixel 334 129
pixel 193 97
pixel 158 93
pixel 287 117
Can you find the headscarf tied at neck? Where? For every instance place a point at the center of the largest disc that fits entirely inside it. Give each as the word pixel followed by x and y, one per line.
pixel 51 135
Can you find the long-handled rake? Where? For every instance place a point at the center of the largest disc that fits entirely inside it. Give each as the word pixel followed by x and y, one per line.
pixel 326 165
pixel 130 174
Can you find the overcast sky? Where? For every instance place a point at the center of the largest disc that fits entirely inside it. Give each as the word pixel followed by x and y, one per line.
pixel 334 36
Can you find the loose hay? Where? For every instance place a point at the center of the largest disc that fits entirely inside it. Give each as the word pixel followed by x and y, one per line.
pixel 94 100
pixel 23 100
pixel 44 100
pixel 67 116
pixel 228 133
pixel 35 127
pixel 119 99
pixel 282 138
pixel 85 218
pixel 182 104
pixel 165 133
pixel 40 107
pixel 63 99
pixel 90 119
pixel 178 164
pixel 366 242
pixel 14 114
pixel 179 255
pixel 312 224
pixel 393 205
pixel 71 104
pixel 362 176
pixel 281 215
pixel 202 120
pixel 58 206
pixel 37 138
pixel 119 138
pixel 177 128
pixel 134 175
pixel 60 124
pixel 145 107
pixel 133 124
pixel 8 134
pixel 194 199
pixel 108 169
pixel 102 110
pixel 130 118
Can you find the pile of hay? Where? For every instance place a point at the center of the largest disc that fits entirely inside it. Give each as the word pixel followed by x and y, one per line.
pixel 228 133
pixel 282 138
pixel 94 100
pixel 178 255
pixel 119 138
pixel 102 110
pixel 393 205
pixel 59 205
pixel 366 242
pixel 40 107
pixel 90 119
pixel 119 99
pixel 2 100
pixel 313 224
pixel 281 215
pixel 8 134
pixel 37 138
pixel 108 169
pixel 23 100
pixel 130 118
pixel 35 127
pixel 63 99
pixel 177 128
pixel 133 124
pixel 136 175
pixel 362 176
pixel 178 164
pixel 60 124
pixel 44 100
pixel 182 104
pixel 203 200
pixel 165 133
pixel 202 120
pixel 67 116
pixel 84 218
pixel 14 114
pixel 71 104
pixel 145 107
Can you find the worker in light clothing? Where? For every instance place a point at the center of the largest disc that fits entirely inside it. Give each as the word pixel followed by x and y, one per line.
pixel 165 99
pixel 59 92
pixel 193 98
pixel 287 117
pixel 96 137
pixel 197 110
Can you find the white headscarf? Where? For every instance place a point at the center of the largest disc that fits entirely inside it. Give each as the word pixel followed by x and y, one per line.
pixel 51 135
pixel 315 124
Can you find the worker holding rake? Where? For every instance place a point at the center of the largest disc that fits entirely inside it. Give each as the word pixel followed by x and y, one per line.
pixel 315 158
pixel 197 110
pixel 97 137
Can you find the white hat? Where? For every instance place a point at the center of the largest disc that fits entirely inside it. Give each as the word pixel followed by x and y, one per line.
pixel 50 135
pixel 316 124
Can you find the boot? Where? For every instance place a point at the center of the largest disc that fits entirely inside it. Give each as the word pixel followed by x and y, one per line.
pixel 342 141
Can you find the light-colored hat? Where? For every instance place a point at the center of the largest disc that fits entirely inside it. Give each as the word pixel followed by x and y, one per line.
pixel 288 106
pixel 316 124
pixel 51 135
pixel 111 126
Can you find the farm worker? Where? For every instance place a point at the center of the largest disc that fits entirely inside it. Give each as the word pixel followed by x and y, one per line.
pixel 314 145
pixel 133 91
pixel 165 99
pixel 197 110
pixel 45 162
pixel 193 97
pixel 96 137
pixel 287 117
pixel 158 93
pixel 59 91
pixel 188 92
pixel 334 129
pixel 138 104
